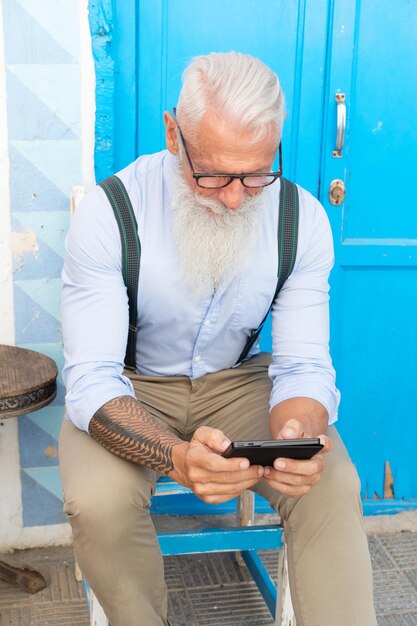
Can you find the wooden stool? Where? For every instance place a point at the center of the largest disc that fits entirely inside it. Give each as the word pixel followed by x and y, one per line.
pixel 27 383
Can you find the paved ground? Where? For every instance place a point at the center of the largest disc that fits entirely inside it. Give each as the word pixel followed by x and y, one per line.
pixel 213 590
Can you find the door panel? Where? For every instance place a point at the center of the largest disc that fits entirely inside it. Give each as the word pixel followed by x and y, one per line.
pixel 383 130
pixel 376 372
pixel 374 282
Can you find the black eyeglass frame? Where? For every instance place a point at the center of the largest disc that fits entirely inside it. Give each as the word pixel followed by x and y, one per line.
pixel 198 176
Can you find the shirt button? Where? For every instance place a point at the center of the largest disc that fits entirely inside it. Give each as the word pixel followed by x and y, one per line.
pixel 207 323
pixel 197 359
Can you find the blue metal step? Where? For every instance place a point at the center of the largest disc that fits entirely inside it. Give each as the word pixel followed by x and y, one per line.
pixel 166 486
pixel 267 537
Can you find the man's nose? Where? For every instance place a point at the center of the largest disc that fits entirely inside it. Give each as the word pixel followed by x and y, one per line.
pixel 233 195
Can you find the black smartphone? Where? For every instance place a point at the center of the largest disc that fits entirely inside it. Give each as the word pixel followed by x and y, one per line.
pixel 265 452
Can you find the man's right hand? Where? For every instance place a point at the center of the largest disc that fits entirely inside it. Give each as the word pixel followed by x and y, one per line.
pixel 200 466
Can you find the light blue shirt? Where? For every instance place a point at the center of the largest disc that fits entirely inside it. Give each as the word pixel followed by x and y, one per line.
pixel 177 334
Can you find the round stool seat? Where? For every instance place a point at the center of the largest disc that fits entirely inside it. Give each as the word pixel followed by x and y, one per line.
pixel 27 381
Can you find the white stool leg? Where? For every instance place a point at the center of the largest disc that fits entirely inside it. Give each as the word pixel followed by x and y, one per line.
pixel 245 514
pixel 97 615
pixel 285 612
pixel 77 573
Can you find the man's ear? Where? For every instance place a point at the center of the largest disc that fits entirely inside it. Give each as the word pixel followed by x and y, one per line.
pixel 171 137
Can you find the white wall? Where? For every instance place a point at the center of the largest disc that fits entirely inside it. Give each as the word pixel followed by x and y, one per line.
pixel 29 233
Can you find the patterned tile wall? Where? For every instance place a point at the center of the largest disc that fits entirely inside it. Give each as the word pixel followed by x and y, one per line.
pixel 43 110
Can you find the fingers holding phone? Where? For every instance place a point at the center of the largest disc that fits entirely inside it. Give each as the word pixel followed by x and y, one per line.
pixel 212 477
pixel 295 477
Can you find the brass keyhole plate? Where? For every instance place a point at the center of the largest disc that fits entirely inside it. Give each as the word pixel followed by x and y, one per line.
pixel 337 192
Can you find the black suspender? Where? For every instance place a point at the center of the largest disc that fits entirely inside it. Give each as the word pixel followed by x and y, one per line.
pixel 287 250
pixel 126 221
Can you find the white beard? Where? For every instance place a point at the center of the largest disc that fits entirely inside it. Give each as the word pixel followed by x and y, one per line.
pixel 213 242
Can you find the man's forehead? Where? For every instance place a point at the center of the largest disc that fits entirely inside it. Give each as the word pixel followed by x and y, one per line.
pixel 216 141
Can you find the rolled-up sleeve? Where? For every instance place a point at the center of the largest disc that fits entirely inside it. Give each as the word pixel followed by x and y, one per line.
pixel 301 363
pixel 94 311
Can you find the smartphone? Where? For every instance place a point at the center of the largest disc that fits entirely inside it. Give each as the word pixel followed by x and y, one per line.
pixel 265 452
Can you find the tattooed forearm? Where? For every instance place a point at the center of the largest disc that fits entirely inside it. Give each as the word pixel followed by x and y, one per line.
pixel 125 428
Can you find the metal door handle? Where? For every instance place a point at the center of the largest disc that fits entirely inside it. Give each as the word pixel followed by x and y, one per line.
pixel 341 125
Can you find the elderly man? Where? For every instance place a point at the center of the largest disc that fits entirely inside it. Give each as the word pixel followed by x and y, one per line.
pixel 207 215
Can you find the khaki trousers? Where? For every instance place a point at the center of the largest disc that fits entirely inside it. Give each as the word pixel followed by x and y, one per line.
pixel 107 503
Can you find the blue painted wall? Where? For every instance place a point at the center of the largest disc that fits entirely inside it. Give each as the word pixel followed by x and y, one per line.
pixel 43 116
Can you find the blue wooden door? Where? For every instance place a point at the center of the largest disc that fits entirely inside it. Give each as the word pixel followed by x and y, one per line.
pixel 372 59
pixel 317 48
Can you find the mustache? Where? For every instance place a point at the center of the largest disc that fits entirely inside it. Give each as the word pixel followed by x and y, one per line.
pixel 249 205
pixel 218 208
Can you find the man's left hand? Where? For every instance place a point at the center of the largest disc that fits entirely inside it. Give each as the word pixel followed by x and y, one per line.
pixel 293 477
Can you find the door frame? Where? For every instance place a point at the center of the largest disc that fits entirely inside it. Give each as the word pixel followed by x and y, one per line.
pixel 116 83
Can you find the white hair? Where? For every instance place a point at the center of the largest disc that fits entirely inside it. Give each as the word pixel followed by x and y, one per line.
pixel 238 86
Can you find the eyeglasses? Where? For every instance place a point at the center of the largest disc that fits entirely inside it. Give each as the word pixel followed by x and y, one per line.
pixel 218 181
